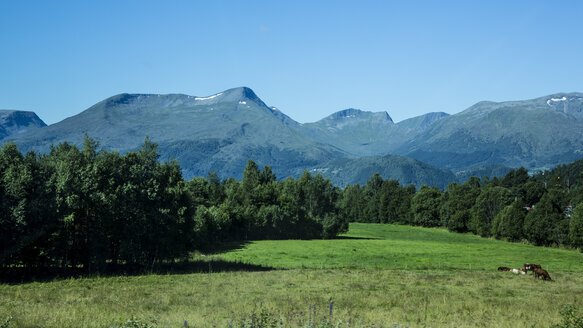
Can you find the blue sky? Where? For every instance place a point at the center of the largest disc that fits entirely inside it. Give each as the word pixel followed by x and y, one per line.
pixel 308 58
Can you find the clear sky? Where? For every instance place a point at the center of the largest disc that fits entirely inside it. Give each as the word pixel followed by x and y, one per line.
pixel 308 58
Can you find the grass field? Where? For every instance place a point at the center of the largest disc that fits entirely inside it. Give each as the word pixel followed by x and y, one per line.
pixel 403 247
pixel 376 274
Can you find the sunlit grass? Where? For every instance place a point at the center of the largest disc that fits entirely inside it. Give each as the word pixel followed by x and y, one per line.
pixel 404 247
pixel 410 276
pixel 366 296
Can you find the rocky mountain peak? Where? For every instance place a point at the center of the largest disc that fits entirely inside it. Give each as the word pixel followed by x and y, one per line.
pixel 15 122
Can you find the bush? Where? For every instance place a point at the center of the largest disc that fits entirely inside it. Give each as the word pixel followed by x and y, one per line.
pixel 6 323
pixel 571 319
pixel 135 323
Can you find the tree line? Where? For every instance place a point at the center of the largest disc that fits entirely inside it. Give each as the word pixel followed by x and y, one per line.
pixel 96 210
pixel 540 209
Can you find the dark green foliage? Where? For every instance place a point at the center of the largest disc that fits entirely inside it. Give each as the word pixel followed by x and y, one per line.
pixel 6 322
pixel 563 176
pixel 515 178
pixel 380 201
pixel 508 223
pixel 89 207
pixel 490 202
pixel 259 207
pixel 456 204
pixel 26 214
pixel 96 210
pixel 547 224
pixel 425 207
pixel 532 191
pixel 373 189
pixel 395 202
pixel 352 203
pixel 576 227
pixel 571 319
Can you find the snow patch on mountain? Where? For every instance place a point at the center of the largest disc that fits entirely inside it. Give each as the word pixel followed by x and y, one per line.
pixel 552 100
pixel 208 98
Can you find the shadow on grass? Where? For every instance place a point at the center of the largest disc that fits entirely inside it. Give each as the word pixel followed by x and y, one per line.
pixel 20 275
pixel 354 237
pixel 226 247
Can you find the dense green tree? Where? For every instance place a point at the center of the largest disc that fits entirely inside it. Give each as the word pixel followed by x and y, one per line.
pixel 576 228
pixel 388 208
pixel 157 209
pixel 71 179
pixel 352 203
pixel 216 189
pixel 425 206
pixel 199 189
pixel 26 212
pixel 456 204
pixel 532 191
pixel 490 202
pixel 251 179
pixel 90 209
pixel 372 193
pixel 395 202
pixel 508 223
pixel 294 210
pixel 515 179
pixel 547 224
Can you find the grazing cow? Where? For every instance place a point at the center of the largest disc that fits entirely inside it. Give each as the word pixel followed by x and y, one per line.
pixel 503 269
pixel 542 273
pixel 531 267
pixel 518 271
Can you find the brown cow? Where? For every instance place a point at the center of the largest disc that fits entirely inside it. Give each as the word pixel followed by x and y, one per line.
pixel 531 267
pixel 503 269
pixel 542 273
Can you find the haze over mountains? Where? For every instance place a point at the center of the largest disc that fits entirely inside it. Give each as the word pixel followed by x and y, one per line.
pixel 222 131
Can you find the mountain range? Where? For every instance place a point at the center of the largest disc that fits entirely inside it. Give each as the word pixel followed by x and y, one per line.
pixel 222 131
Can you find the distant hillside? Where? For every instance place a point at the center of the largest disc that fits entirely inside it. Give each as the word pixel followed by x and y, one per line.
pixel 566 176
pixel 362 133
pixel 357 132
pixel 16 122
pixel 405 170
pixel 537 134
pixel 422 122
pixel 490 171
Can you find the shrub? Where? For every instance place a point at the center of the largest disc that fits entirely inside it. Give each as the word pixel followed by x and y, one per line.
pixel 571 319
pixel 135 323
pixel 6 323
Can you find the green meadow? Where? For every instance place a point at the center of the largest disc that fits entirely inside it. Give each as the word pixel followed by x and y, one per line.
pixel 387 246
pixel 375 275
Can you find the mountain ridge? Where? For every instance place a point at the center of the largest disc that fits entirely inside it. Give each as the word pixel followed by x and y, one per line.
pixel 18 121
pixel 222 131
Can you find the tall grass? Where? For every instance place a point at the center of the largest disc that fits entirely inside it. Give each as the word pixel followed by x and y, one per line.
pixel 361 296
pixel 392 277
